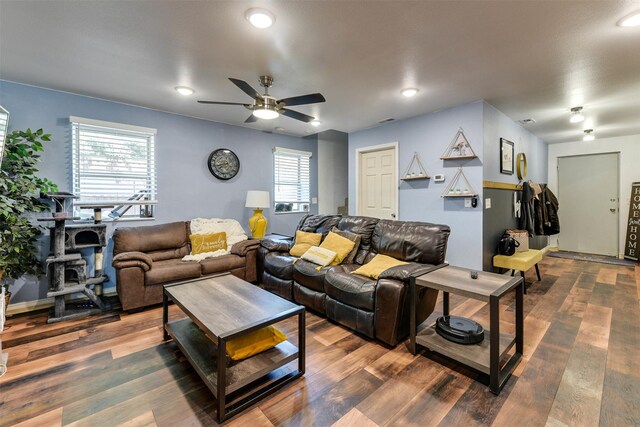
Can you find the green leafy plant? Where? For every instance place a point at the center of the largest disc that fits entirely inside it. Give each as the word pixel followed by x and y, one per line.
pixel 20 188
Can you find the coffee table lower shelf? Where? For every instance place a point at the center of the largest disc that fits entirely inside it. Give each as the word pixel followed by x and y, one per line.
pixel 476 356
pixel 202 354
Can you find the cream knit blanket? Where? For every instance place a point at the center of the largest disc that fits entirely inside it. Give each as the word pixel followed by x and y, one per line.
pixel 235 234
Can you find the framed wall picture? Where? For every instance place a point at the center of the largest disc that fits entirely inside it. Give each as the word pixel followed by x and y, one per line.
pixel 506 157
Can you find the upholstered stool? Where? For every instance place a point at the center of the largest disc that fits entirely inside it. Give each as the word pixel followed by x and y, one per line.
pixel 520 261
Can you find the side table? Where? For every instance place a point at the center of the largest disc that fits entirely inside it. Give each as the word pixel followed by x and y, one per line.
pixel 485 356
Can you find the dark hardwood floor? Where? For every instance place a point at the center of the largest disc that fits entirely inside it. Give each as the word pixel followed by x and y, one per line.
pixel 581 367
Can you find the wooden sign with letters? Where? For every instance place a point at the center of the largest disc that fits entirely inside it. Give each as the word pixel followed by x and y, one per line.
pixel 631 248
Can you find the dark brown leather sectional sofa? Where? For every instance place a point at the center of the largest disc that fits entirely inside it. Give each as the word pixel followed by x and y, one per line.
pixel 376 308
pixel 145 258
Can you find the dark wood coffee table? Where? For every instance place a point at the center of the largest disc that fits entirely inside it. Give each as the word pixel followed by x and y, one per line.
pixel 221 308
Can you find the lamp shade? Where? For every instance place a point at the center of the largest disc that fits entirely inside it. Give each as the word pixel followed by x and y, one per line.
pixel 257 199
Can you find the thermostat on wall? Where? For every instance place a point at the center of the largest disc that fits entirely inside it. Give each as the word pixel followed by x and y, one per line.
pixel 438 178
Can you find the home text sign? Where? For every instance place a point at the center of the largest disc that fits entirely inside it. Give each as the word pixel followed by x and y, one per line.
pixel 631 249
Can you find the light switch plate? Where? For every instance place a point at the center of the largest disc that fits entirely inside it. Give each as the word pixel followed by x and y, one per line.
pixel 487 203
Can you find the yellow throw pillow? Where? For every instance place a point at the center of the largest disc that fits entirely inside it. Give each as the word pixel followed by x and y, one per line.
pixel 254 342
pixel 304 241
pixel 338 244
pixel 201 243
pixel 377 265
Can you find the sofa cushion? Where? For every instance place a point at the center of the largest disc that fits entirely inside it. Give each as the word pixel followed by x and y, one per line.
pixel 353 290
pixel 171 271
pixel 279 265
pixel 155 238
pixel 362 226
pixel 305 273
pixel 411 241
pixel 319 223
pixel 221 263
pixel 166 254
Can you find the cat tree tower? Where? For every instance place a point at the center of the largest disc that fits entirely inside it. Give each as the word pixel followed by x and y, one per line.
pixel 67 269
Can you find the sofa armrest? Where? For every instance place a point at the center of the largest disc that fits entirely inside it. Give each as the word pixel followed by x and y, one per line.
pixel 242 248
pixel 273 244
pixel 132 259
pixel 405 272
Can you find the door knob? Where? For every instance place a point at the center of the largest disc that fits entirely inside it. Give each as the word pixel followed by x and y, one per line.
pixel 393 215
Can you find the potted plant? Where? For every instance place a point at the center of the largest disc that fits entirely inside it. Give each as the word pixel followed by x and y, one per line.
pixel 20 188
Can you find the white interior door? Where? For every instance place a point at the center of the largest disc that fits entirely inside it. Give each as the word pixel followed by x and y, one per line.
pixel 378 188
pixel 588 195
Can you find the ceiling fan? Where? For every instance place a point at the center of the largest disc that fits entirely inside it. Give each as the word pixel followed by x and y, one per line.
pixel 266 106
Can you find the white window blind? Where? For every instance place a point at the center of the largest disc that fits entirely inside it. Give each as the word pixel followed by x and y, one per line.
pixel 292 180
pixel 113 164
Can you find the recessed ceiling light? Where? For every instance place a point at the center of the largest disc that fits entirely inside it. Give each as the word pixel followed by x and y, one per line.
pixel 576 115
pixel 588 135
pixel 631 20
pixel 409 92
pixel 315 123
pixel 260 18
pixel 185 91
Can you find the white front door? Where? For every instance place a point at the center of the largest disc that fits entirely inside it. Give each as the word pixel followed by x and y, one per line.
pixel 378 188
pixel 588 196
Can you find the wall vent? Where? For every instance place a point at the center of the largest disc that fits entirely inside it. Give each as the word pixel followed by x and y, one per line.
pixel 386 120
pixel 526 121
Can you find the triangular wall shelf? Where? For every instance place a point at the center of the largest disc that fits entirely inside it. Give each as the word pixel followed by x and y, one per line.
pixel 415 170
pixel 459 148
pixel 459 186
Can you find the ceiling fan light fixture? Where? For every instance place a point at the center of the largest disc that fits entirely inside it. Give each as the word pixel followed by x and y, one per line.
pixel 184 90
pixel 315 123
pixel 631 20
pixel 265 113
pixel 409 92
pixel 576 115
pixel 260 18
pixel 588 135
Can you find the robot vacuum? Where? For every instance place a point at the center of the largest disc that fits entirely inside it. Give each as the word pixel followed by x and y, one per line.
pixel 459 330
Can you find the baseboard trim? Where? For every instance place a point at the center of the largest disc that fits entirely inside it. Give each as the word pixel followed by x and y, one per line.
pixel 41 304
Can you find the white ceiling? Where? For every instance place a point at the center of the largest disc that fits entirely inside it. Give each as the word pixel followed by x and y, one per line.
pixel 528 58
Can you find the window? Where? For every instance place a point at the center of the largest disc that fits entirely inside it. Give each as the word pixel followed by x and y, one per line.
pixel 292 187
pixel 113 165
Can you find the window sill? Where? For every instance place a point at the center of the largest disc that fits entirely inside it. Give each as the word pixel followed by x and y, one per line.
pixel 291 213
pixel 111 220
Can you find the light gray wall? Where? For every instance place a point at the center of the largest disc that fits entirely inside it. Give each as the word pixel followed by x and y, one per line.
pixel 429 136
pixel 186 189
pixel 500 216
pixel 498 125
pixel 333 170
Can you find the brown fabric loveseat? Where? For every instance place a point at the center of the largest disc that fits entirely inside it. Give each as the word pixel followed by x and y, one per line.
pixel 375 308
pixel 145 258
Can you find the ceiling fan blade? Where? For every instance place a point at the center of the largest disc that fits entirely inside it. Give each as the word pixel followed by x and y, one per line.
pixel 224 103
pixel 246 88
pixel 312 98
pixel 296 115
pixel 251 119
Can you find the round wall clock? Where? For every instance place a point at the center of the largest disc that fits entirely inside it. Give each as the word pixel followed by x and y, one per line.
pixel 223 164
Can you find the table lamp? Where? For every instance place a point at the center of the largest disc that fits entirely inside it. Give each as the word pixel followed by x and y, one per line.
pixel 257 200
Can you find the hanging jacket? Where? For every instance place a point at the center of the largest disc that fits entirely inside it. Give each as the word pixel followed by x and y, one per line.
pixel 527 217
pixel 552 220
